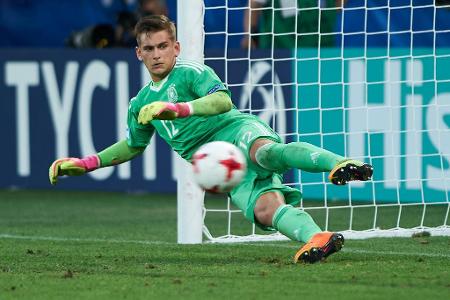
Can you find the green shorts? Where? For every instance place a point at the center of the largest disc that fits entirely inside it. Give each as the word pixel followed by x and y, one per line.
pixel 257 181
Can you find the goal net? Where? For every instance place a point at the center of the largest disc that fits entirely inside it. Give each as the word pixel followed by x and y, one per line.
pixel 369 80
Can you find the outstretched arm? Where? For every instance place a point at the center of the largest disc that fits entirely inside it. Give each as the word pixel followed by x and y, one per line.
pixel 212 104
pixel 116 154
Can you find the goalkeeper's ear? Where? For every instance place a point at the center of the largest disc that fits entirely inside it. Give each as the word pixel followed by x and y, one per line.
pixel 138 53
pixel 177 48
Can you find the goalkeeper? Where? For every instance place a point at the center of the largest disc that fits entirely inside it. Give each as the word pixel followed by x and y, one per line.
pixel 187 105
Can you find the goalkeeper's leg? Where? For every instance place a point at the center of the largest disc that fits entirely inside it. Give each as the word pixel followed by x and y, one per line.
pixel 281 157
pixel 271 210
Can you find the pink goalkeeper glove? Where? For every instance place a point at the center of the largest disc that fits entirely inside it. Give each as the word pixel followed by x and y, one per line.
pixel 72 166
pixel 164 111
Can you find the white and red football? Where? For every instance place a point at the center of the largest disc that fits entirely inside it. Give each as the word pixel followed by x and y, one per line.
pixel 218 166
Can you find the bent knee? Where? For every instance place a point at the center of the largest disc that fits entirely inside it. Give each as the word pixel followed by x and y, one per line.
pixel 264 216
pixel 266 206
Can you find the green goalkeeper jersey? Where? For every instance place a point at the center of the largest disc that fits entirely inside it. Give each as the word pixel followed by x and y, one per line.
pixel 187 81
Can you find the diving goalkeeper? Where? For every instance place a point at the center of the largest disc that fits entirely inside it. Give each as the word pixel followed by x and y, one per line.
pixel 188 105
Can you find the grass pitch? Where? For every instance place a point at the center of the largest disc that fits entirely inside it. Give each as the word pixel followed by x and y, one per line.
pixel 74 245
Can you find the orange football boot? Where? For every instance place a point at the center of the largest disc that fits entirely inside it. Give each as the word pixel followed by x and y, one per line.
pixel 320 246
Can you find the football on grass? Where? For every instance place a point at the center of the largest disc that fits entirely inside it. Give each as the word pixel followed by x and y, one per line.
pixel 218 166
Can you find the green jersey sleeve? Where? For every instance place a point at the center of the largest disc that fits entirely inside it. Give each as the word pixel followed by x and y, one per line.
pixel 138 135
pixel 208 82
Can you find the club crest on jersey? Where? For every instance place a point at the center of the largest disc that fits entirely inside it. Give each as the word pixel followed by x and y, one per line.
pixel 172 93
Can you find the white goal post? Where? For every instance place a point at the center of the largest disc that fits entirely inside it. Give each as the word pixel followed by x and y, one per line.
pixel 190 33
pixel 388 105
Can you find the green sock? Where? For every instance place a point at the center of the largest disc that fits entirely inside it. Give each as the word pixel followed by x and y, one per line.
pixel 294 223
pixel 300 155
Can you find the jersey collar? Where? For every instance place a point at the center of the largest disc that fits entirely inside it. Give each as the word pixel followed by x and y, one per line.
pixel 156 87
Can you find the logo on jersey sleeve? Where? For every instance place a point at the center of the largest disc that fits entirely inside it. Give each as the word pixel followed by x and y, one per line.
pixel 215 88
pixel 172 93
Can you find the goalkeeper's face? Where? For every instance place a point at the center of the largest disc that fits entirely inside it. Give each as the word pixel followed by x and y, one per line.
pixel 158 51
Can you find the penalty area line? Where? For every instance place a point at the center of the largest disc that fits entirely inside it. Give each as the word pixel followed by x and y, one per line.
pixel 347 249
pixel 396 253
pixel 281 245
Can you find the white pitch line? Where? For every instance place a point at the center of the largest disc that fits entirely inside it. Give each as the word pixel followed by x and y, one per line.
pixel 63 239
pixel 395 253
pixel 354 250
pixel 281 245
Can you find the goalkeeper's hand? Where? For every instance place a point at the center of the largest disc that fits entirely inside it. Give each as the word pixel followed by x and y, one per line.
pixel 159 110
pixel 72 166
